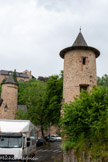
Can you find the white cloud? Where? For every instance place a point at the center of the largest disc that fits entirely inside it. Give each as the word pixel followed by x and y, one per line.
pixel 32 32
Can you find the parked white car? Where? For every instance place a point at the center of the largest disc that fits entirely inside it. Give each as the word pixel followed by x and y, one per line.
pixel 56 137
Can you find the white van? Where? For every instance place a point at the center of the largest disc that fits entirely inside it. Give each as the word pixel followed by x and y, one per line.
pixel 17 139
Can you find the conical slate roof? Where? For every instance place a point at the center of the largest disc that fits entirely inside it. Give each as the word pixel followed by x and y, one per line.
pixel 80 41
pixel 10 80
pixel 79 44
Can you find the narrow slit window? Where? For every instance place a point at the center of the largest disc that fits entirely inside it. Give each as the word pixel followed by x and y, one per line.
pixel 84 60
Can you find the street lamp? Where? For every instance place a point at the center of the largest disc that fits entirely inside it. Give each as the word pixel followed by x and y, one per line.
pixel 6 107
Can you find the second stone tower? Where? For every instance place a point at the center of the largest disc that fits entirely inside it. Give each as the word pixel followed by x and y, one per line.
pixel 9 96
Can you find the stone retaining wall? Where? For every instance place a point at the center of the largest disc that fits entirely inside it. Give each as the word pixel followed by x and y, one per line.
pixel 69 156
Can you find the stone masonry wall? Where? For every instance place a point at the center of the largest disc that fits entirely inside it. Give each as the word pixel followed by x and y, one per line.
pixel 75 73
pixel 69 156
pixel 9 96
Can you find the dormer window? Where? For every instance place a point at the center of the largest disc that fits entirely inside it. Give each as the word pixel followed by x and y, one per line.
pixel 84 60
pixel 10 73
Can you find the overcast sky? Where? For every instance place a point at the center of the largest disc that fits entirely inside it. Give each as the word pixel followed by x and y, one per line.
pixel 32 33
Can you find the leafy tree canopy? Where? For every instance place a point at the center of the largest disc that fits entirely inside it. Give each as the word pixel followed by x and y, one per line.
pixel 31 94
pixel 103 81
pixel 85 122
pixel 53 98
pixel 15 76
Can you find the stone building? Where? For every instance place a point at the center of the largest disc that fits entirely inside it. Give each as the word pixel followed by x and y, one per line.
pixel 8 100
pixel 21 76
pixel 9 96
pixel 79 73
pixel 79 68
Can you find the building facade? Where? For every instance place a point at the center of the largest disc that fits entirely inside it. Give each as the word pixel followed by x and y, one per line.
pixel 21 76
pixel 9 95
pixel 79 68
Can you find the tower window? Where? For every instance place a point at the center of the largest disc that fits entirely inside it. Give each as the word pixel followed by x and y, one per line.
pixel 84 60
pixel 83 87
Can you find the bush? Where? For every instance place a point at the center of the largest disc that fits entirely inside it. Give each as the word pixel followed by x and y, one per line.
pixel 85 122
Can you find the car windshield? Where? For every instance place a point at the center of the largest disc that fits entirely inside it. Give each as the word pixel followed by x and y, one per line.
pixel 10 142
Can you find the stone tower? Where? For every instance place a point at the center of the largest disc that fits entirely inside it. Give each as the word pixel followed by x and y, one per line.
pixel 79 68
pixel 9 95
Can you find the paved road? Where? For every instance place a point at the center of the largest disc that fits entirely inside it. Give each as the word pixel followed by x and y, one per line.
pixel 49 153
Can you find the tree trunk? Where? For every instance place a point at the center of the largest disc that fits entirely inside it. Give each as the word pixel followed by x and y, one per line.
pixel 42 131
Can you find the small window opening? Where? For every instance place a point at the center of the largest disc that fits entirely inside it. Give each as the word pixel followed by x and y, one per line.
pixel 21 80
pixel 83 87
pixel 84 60
pixel 10 73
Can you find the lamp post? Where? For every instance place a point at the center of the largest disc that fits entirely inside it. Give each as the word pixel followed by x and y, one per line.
pixel 6 107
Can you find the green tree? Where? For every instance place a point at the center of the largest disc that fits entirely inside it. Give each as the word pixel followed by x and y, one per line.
pixel 4 80
pixel 103 81
pixel 53 98
pixel 22 114
pixel 31 94
pixel 15 76
pixel 85 122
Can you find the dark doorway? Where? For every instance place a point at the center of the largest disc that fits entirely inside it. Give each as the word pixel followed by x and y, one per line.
pixel 83 87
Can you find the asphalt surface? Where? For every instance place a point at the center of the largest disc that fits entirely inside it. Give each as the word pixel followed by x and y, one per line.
pixel 50 153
